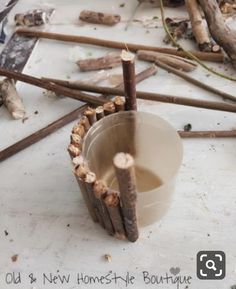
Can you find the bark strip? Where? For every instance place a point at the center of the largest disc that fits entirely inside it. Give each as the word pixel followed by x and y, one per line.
pixel 99 17
pixel 125 173
pixel 106 62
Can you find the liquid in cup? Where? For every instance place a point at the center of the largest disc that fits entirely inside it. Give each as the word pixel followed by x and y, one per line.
pixel 157 151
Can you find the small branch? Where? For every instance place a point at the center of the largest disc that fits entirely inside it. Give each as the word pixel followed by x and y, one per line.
pixel 207 56
pixel 109 108
pixel 171 60
pixel 195 81
pixel 37 136
pixel 100 189
pixel 222 106
pixel 106 62
pixel 90 113
pixel 119 103
pixel 99 112
pixel 112 202
pixel 129 80
pixel 208 134
pixel 199 29
pixel 99 17
pixel 125 173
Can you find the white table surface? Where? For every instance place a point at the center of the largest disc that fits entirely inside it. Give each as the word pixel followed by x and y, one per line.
pixel 39 196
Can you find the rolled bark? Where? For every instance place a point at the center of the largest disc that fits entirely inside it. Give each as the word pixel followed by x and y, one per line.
pixel 100 190
pixel 200 31
pixel 112 202
pixel 73 151
pixel 84 121
pixel 106 62
pixel 79 177
pixel 11 99
pixel 125 173
pixel 119 103
pixel 171 60
pixel 109 108
pixel 90 113
pixel 99 17
pixel 220 32
pixel 99 112
pixel 129 80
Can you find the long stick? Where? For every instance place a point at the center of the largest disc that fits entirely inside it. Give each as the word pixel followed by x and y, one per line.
pixel 194 81
pixel 163 98
pixel 208 56
pixel 53 87
pixel 42 133
pixel 148 72
pixel 115 91
pixel 208 134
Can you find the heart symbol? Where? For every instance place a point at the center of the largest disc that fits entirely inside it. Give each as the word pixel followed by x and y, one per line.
pixel 174 271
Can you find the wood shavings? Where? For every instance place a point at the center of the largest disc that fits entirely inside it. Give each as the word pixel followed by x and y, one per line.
pixel 108 258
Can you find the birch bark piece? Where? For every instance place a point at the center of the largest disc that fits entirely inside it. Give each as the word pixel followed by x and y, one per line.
pixel 125 173
pixel 106 62
pixel 129 79
pixel 12 100
pixel 199 28
pixel 99 17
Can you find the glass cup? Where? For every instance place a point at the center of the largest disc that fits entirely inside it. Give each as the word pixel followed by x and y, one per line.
pixel 157 150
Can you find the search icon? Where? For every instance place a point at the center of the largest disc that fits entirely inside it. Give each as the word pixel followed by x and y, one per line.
pixel 210 264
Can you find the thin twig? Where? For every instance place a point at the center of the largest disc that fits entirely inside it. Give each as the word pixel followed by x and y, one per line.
pixel 208 134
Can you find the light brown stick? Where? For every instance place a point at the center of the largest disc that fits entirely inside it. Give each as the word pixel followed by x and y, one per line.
pixel 58 89
pixel 164 98
pixel 106 62
pixel 221 33
pixel 196 82
pixel 99 17
pixel 11 99
pixel 129 80
pixel 173 61
pixel 207 56
pixel 125 173
pixel 100 190
pixel 208 134
pixel 112 202
pixel 199 29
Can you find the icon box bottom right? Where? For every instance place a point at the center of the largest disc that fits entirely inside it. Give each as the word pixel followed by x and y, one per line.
pixel 211 265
